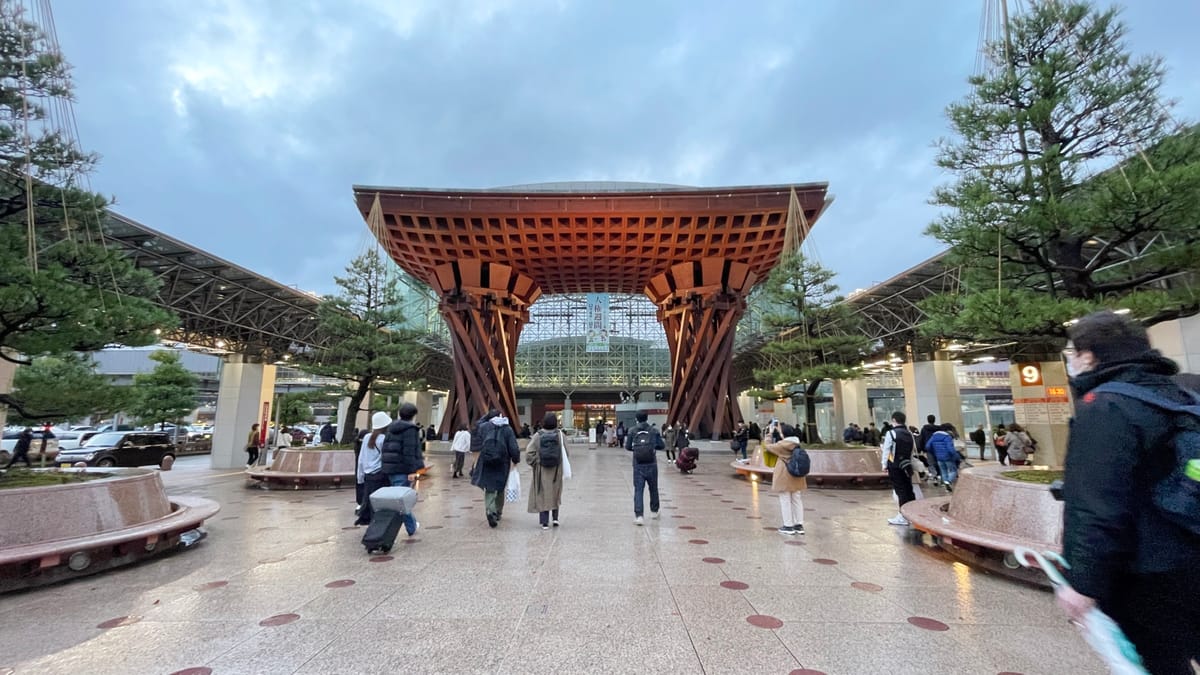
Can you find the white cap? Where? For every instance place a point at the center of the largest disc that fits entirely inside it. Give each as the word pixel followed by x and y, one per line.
pixel 380 420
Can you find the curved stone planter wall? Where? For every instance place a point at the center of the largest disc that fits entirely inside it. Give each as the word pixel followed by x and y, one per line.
pixel 833 467
pixel 57 532
pixel 306 469
pixel 988 516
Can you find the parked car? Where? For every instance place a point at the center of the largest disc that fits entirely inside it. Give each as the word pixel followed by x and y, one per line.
pixel 121 448
pixel 83 438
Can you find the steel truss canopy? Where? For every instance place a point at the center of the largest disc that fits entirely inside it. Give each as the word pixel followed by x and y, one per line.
pixel 221 306
pixel 586 237
pixel 890 311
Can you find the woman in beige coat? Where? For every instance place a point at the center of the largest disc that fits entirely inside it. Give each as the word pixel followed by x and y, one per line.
pixel 545 490
pixel 784 484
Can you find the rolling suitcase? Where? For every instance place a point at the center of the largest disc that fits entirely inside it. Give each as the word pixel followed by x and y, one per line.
pixel 382 532
pixel 400 499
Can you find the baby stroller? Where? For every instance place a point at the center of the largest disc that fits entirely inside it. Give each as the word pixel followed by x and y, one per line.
pixel 686 461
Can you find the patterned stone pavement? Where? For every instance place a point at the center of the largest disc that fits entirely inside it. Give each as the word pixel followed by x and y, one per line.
pixel 282 585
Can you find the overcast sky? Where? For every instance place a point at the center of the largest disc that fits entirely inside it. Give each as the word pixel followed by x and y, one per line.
pixel 240 125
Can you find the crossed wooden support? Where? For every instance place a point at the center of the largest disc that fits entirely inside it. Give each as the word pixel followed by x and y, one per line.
pixel 486 305
pixel 699 304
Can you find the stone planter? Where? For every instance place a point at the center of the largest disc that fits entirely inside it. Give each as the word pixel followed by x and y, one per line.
pixel 306 469
pixel 831 467
pixel 51 533
pixel 988 516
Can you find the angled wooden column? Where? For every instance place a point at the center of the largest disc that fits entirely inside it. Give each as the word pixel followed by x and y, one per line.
pixel 699 304
pixel 486 305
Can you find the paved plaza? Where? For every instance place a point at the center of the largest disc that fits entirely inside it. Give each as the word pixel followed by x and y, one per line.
pixel 282 585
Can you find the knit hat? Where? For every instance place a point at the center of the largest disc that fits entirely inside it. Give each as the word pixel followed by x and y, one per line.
pixel 380 420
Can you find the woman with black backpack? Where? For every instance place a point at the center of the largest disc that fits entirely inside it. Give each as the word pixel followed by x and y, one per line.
pixel 783 483
pixel 545 453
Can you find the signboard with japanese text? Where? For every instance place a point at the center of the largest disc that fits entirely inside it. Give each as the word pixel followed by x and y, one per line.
pixel 596 322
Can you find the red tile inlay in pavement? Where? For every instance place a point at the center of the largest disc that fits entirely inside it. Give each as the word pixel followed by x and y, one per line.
pixel 350 527
pixel 679 516
pixel 764 621
pixel 927 623
pixel 279 620
pixel 381 558
pixel 806 671
pixel 687 527
pixel 726 501
pixel 715 561
pixel 340 583
pixel 119 621
pixel 210 585
pixel 753 517
pixel 739 508
pixel 794 542
pixel 825 561
pixel 411 541
pixel 1007 672
pixel 697 541
pixel 201 670
pixel 768 528
pixel 867 586
pixel 735 585
pixel 432 527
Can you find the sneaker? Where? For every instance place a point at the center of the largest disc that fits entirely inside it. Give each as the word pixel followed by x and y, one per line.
pixel 654 515
pixel 638 520
pixel 898 519
pixel 545 527
pixel 556 523
pixel 786 530
pixel 416 528
pixel 492 521
pixel 799 529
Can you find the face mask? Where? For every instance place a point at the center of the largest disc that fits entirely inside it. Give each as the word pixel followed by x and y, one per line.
pixel 1072 370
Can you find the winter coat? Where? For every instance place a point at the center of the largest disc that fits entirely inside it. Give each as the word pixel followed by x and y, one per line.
pixel 402 448
pixel 682 439
pixel 546 484
pixel 493 478
pixel 941 444
pixel 669 437
pixel 1119 448
pixel 781 480
pixel 1018 444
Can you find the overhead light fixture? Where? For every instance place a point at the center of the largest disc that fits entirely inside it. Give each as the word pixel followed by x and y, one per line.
pixel 984 359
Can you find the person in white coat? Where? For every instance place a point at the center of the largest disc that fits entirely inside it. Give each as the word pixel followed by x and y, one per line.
pixel 461 446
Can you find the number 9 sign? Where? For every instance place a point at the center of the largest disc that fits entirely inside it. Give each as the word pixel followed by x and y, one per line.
pixel 1031 374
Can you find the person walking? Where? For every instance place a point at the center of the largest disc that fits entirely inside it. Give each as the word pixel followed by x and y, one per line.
pixel 401 457
pixel 1018 444
pixel 644 441
pixel 1127 555
pixel 789 488
pixel 370 472
pixel 253 444
pixel 327 434
pixel 896 455
pixel 941 449
pixel 669 441
pixel 1000 442
pixel 461 446
pixel 498 454
pixel 979 437
pixel 545 453
pixel 21 449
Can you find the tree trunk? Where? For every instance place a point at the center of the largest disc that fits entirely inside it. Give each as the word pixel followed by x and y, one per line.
pixel 356 399
pixel 811 434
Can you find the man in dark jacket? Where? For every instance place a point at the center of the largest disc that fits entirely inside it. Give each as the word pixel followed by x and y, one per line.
pixel 401 455
pixel 1125 556
pixel 645 471
pixel 931 427
pixel 492 478
pixel 979 437
pixel 21 449
pixel 328 433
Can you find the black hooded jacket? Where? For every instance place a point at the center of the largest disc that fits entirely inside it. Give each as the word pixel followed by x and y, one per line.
pixel 1118 449
pixel 401 451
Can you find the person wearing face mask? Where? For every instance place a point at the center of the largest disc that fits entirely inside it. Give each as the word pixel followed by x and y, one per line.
pixel 1127 557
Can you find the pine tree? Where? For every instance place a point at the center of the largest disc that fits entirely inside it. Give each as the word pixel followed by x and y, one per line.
pixel 1072 189
pixel 165 394
pixel 364 328
pixel 61 388
pixel 817 337
pixel 59 290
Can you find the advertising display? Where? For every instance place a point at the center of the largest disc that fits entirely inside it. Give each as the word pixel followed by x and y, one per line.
pixel 596 322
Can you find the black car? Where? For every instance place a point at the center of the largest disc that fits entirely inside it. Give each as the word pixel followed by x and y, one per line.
pixel 121 448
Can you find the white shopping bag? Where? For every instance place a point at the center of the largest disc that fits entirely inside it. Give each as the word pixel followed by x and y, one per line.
pixel 566 461
pixel 512 490
pixel 1099 630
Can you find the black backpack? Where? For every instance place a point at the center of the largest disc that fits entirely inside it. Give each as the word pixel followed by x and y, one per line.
pixel 1177 496
pixel 490 451
pixel 643 445
pixel 549 450
pixel 799 463
pixel 904 442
